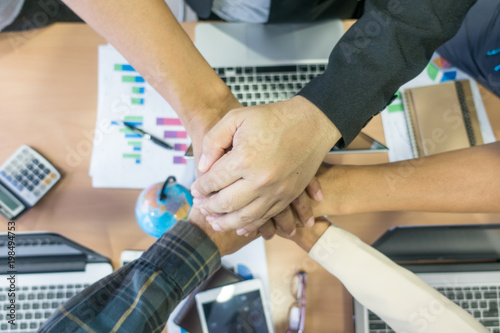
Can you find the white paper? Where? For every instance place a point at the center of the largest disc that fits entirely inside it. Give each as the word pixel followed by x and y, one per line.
pixel 115 161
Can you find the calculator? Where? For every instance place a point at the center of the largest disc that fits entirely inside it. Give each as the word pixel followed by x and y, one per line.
pixel 25 178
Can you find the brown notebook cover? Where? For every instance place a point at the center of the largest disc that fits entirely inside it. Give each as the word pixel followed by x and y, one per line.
pixel 441 117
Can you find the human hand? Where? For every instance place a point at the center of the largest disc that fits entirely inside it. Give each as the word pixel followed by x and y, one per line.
pixel 276 150
pixel 227 242
pixel 307 237
pixel 298 214
pixel 205 118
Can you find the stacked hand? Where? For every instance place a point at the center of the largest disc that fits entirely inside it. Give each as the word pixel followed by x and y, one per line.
pixel 258 160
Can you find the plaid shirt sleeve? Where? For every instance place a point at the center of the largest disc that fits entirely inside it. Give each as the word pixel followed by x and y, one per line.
pixel 140 296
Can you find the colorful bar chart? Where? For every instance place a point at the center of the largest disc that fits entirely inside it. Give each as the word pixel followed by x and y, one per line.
pixel 180 147
pixel 132 78
pixel 133 120
pixel 124 67
pixel 179 160
pixel 136 145
pixel 168 121
pixel 137 101
pixel 175 134
pixel 129 134
pixel 138 90
pixel 137 157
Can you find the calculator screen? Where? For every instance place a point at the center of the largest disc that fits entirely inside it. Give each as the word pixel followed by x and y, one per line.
pixel 8 204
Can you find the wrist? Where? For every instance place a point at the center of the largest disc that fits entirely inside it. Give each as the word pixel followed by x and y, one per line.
pixel 322 124
pixel 201 118
pixel 308 238
pixel 214 236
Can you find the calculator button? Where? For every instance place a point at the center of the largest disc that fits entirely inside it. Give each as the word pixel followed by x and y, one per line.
pixel 52 175
pixel 30 166
pixel 29 188
pixel 8 168
pixel 24 183
pixel 36 172
pixel 19 178
pixel 47 171
pixel 19 187
pixel 41 187
pixel 14 162
pixel 19 157
pixel 35 182
pixel 41 166
pixel 13 182
pixel 46 181
pixel 3 173
pixel 35 161
pixel 9 178
pixel 24 172
pixel 30 177
pixel 41 176
pixel 36 192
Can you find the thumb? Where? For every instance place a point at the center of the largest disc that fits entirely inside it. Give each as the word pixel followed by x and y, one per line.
pixel 217 141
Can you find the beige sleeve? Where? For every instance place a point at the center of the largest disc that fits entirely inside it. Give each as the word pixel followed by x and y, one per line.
pixel 399 297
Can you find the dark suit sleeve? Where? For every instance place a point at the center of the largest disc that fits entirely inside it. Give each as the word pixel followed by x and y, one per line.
pixel 389 45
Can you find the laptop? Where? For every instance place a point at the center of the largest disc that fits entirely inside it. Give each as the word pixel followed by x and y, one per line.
pixel 461 261
pixel 49 269
pixel 266 63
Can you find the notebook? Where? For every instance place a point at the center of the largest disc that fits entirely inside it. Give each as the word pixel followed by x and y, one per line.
pixel 460 261
pixel 441 117
pixel 270 63
pixel 48 270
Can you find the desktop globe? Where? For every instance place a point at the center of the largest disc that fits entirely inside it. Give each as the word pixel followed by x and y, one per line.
pixel 161 205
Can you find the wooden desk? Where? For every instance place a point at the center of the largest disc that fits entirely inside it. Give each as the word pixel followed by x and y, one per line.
pixel 48 100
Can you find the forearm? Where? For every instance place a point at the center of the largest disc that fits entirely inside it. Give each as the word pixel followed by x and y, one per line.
pixel 392 292
pixel 150 37
pixel 465 180
pixel 389 45
pixel 141 295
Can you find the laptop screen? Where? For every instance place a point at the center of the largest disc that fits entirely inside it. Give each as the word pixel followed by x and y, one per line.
pixel 452 242
pixel 46 252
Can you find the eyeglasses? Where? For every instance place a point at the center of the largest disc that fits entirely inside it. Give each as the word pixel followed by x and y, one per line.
pixel 297 312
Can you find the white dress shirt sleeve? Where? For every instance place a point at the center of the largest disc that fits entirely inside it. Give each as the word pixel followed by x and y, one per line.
pixel 405 302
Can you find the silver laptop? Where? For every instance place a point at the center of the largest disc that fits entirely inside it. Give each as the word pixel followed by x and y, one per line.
pixel 266 63
pixel 461 261
pixel 45 271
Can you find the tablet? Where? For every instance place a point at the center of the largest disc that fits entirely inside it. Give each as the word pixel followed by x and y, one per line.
pixel 237 307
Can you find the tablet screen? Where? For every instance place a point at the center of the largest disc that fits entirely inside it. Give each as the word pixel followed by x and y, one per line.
pixel 241 313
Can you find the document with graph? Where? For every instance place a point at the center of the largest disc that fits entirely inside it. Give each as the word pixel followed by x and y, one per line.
pixel 120 157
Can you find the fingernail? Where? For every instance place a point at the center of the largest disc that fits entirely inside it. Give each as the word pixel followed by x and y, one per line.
pixel 247 234
pixel 319 195
pixel 204 211
pixel 210 218
pixel 241 231
pixel 292 233
pixel 202 165
pixel 197 201
pixel 310 222
pixel 195 193
pixel 216 227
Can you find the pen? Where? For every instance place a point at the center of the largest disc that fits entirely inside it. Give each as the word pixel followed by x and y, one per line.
pixel 148 136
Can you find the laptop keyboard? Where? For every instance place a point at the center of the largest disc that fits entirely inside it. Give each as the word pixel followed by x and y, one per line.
pixel 35 304
pixel 268 84
pixel 481 302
